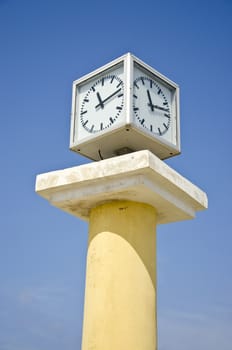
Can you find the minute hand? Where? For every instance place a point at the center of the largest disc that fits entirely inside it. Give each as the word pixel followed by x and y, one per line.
pixel 161 108
pixel 109 97
pixel 150 104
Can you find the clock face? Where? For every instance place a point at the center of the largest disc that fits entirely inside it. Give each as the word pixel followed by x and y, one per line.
pixel 153 106
pixel 99 103
pixel 102 104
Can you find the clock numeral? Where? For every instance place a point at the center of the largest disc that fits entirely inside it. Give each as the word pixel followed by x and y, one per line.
pixel 136 109
pixel 135 84
pixel 159 131
pixel 93 88
pixel 86 100
pixel 159 91
pixel 142 121
pixel 103 81
pixel 135 96
pixel 166 127
pixel 101 126
pixel 120 95
pixel 112 79
pixel 142 80
pixel 84 124
pixel 111 120
pixel 83 112
pixel 92 127
pixel 151 128
pixel 150 83
pixel 119 84
pixel 167 115
pixel 118 107
pixel 165 103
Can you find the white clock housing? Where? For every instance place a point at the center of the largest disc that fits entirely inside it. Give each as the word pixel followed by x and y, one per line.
pixel 122 107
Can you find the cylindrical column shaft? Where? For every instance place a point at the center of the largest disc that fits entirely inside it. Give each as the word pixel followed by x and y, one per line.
pixel 120 295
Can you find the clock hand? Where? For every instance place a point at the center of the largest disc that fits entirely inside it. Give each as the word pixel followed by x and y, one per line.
pixel 107 98
pixel 161 108
pixel 150 104
pixel 100 101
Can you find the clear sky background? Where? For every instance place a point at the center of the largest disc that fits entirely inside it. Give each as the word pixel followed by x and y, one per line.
pixel 44 46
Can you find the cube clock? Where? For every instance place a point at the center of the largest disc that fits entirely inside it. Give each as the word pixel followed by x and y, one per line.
pixel 122 107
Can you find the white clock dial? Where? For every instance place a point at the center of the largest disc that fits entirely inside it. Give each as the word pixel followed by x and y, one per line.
pixel 151 105
pixel 102 104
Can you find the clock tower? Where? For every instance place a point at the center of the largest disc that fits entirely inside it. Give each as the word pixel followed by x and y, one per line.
pixel 125 115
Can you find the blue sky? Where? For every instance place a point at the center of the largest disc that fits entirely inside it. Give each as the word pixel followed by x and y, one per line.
pixel 44 46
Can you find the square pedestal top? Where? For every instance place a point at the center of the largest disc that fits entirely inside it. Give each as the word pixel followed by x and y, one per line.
pixel 138 176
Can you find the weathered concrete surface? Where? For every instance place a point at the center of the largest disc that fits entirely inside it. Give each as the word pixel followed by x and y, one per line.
pixel 139 176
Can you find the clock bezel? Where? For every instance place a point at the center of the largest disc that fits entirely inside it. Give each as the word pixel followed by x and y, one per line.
pixel 108 69
pixel 169 84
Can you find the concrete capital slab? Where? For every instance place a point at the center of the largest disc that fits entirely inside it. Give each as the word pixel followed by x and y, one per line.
pixel 140 177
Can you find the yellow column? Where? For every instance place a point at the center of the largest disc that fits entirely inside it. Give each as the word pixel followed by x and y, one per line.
pixel 120 295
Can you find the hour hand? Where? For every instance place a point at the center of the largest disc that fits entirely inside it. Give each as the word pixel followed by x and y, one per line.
pixel 150 104
pixel 161 108
pixel 101 104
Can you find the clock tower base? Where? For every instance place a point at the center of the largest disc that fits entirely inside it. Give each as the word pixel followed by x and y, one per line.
pixel 123 198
